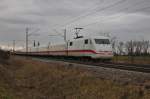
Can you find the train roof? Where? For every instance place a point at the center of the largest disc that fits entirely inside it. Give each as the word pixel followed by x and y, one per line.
pixel 80 39
pixel 92 37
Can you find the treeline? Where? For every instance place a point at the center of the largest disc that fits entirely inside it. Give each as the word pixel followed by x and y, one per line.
pixel 135 48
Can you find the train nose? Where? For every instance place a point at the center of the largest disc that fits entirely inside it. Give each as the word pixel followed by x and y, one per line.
pixel 106 48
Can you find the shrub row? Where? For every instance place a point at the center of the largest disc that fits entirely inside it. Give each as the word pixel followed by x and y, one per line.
pixel 4 56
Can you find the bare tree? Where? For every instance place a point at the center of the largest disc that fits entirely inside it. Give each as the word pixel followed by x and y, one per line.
pixel 120 48
pixel 129 47
pixel 138 47
pixel 146 45
pixel 114 44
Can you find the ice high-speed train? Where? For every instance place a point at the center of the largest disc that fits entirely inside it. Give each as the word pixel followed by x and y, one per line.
pixel 97 47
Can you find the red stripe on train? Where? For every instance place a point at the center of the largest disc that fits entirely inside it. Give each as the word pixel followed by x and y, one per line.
pixel 83 51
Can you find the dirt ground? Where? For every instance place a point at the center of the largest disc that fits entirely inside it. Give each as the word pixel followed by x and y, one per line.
pixel 24 78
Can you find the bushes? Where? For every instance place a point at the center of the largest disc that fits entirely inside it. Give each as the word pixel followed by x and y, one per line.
pixel 4 56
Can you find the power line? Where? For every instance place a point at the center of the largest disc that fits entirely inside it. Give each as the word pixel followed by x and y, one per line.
pixel 89 8
pixel 102 9
pixel 95 8
pixel 127 8
pixel 114 17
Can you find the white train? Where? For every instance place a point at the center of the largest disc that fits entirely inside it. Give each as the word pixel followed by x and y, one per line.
pixel 97 47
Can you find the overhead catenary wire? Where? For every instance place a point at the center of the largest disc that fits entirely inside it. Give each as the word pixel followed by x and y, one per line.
pixel 124 9
pixel 121 10
pixel 95 11
pixel 114 17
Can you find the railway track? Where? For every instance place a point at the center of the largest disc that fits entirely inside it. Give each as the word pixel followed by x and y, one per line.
pixel 129 67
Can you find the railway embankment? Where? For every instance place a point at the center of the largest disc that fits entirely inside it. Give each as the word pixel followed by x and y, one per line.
pixel 25 78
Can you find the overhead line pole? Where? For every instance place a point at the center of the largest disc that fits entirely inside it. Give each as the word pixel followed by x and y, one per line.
pixel 27 39
pixel 27 34
pixel 14 43
pixel 65 35
pixel 65 39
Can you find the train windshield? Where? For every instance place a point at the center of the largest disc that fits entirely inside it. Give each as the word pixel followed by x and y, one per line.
pixel 102 41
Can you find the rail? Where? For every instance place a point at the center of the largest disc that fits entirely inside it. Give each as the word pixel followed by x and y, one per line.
pixel 129 67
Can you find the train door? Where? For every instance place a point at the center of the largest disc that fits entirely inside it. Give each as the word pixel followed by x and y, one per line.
pixel 87 47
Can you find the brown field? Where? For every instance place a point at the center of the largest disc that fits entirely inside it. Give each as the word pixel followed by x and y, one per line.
pixel 24 78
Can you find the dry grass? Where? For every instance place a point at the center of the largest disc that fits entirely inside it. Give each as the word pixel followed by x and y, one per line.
pixel 30 79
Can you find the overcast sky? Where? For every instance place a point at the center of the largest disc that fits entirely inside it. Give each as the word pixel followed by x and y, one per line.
pixel 125 19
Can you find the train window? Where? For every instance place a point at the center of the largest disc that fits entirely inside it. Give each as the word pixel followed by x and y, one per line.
pixel 86 41
pixel 71 44
pixel 102 41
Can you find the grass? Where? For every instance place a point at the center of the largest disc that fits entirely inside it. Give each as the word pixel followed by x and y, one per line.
pixel 28 79
pixel 133 59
